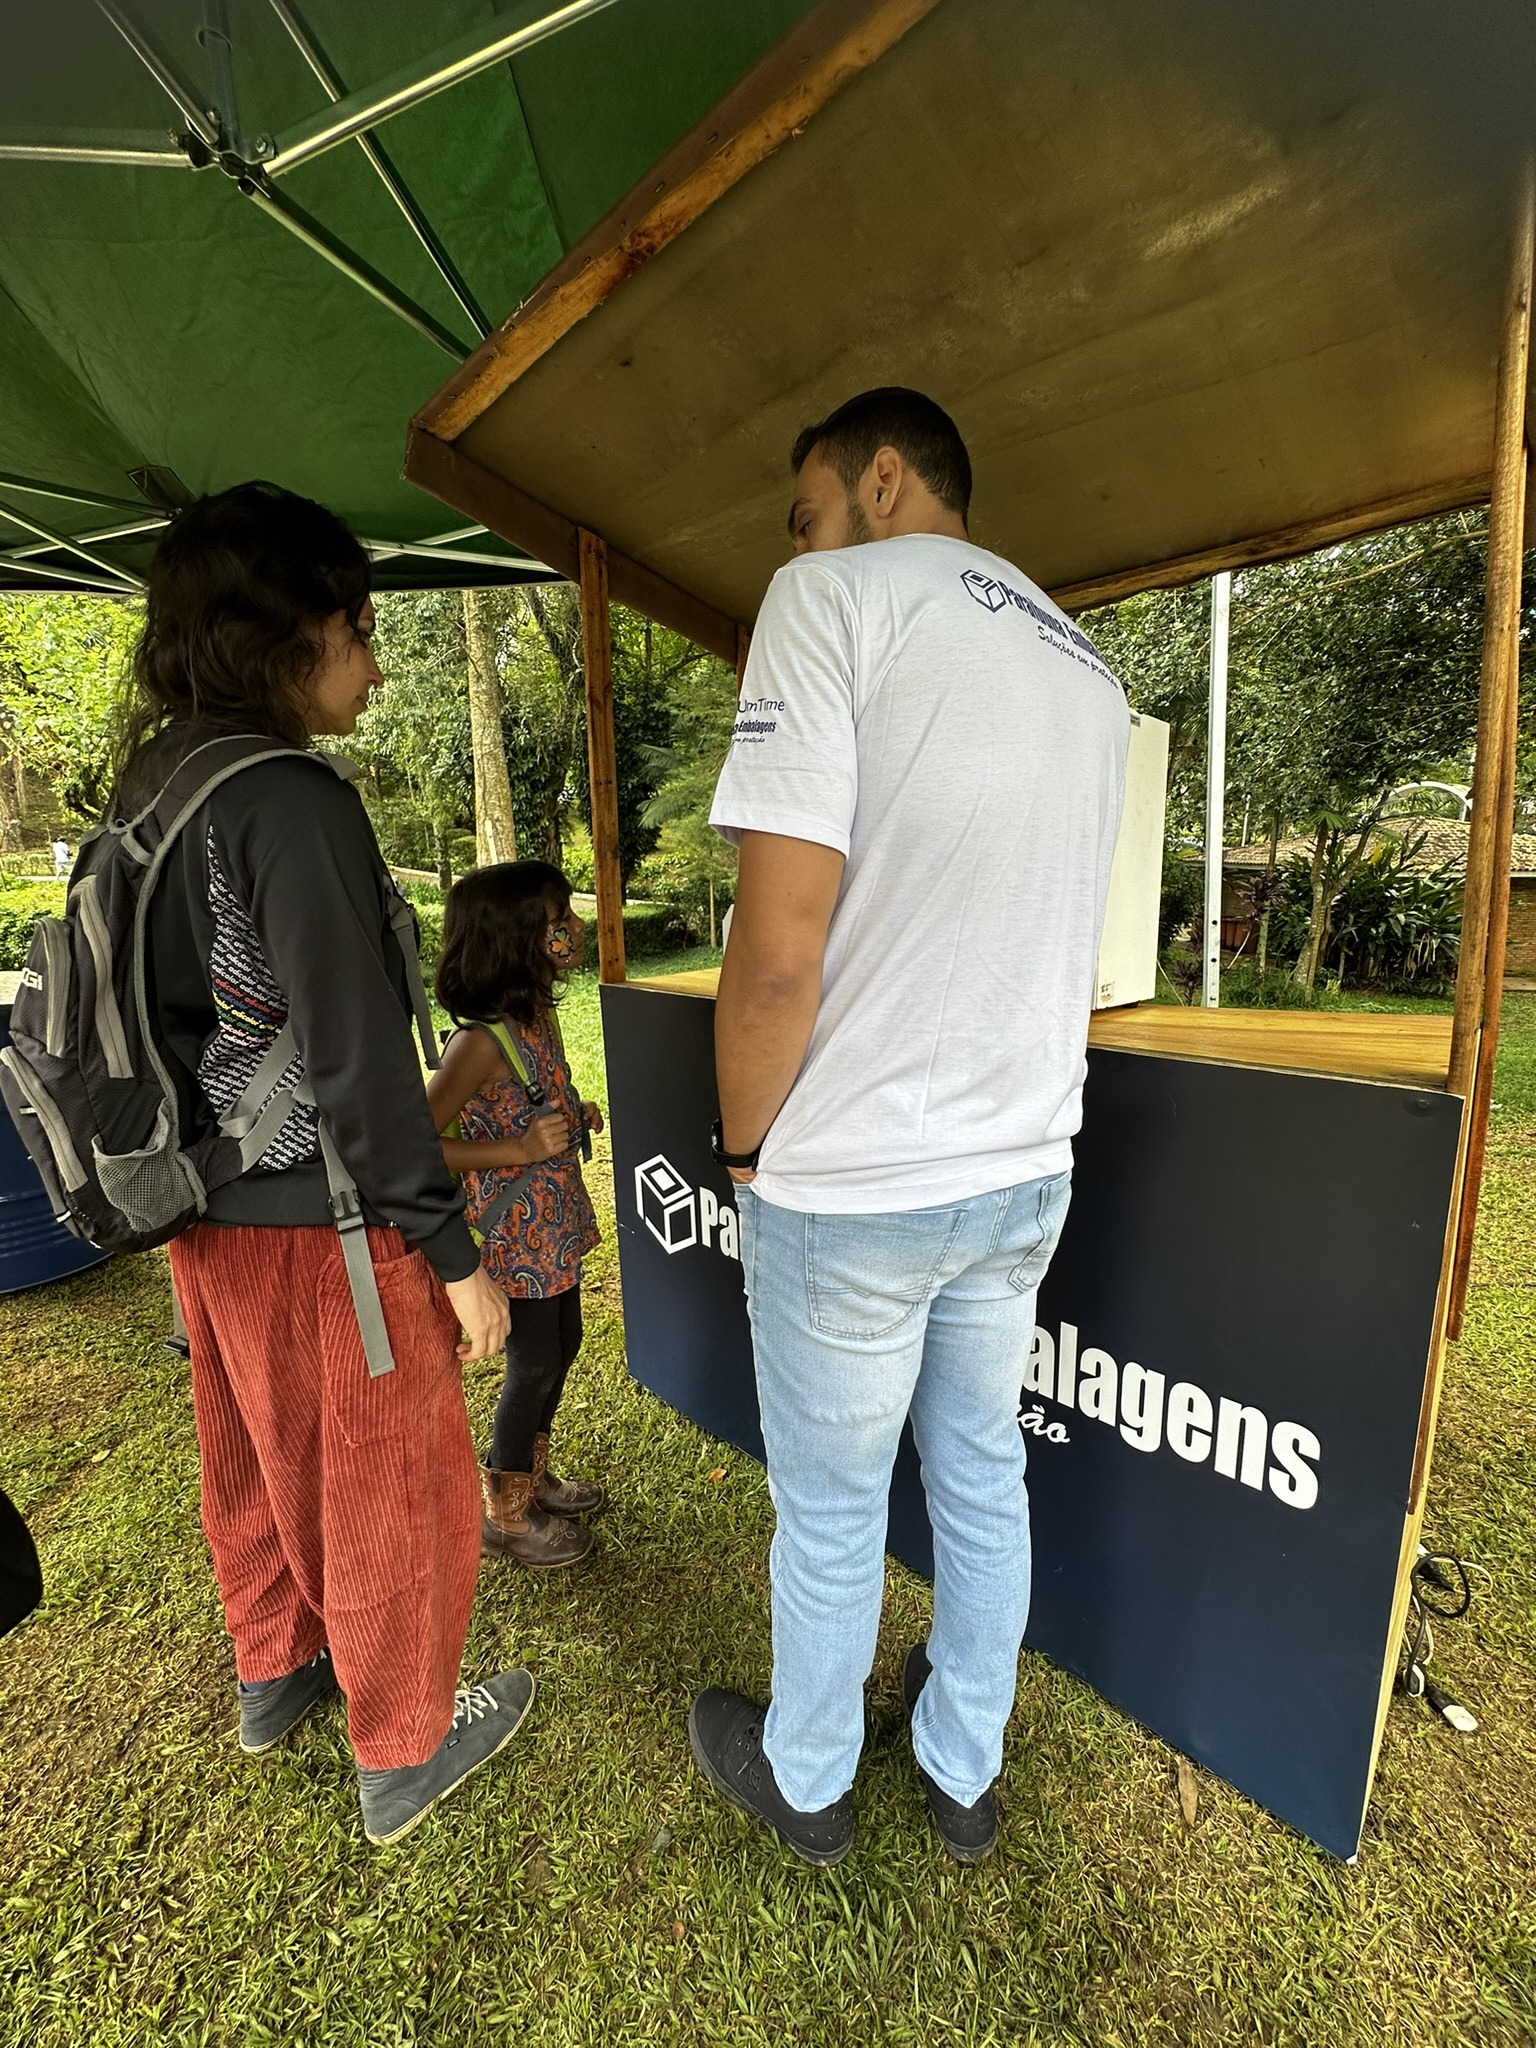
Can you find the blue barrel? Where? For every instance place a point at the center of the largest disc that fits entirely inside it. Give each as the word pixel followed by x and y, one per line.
pixel 33 1248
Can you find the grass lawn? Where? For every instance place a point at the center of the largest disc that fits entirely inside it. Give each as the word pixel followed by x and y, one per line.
pixel 157 1887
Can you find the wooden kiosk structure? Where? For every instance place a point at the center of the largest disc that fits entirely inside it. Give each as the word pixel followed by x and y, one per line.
pixel 1204 286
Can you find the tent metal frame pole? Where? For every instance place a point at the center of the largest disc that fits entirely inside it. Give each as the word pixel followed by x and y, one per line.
pixel 124 156
pixel 229 151
pixel 36 488
pixel 213 40
pixel 28 550
pixel 447 67
pixel 77 579
pixel 383 549
pixel 387 549
pixel 309 231
pixel 382 163
pixel 130 584
pixel 163 71
pixel 1215 787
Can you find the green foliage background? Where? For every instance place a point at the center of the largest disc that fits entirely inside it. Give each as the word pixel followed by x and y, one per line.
pixel 1353 671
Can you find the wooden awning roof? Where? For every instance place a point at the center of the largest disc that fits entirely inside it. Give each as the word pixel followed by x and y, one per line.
pixel 1202 282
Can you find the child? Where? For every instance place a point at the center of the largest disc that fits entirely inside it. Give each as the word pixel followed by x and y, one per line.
pixel 514 1126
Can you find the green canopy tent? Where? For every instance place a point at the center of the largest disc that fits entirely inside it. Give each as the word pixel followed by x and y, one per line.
pixel 236 239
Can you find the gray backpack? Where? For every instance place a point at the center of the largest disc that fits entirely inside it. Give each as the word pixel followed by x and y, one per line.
pixel 86 1079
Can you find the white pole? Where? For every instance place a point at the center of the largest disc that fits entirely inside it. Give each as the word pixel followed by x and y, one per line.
pixel 1215 787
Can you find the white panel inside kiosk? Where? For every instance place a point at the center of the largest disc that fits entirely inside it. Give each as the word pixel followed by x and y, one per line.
pixel 1128 950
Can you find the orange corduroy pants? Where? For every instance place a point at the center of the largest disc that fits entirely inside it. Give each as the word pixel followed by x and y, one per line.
pixel 339 1509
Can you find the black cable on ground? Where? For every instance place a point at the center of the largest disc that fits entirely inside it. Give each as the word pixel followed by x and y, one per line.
pixel 1441 1588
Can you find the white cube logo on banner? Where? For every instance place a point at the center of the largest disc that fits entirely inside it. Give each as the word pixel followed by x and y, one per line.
pixel 665 1202
pixel 678 1217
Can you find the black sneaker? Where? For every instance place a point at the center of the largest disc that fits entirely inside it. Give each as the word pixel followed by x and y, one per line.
pixel 725 1732
pixel 270 1707
pixel 968 1833
pixel 485 1719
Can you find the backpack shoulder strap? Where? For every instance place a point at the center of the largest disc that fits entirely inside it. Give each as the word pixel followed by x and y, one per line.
pixel 402 922
pixel 151 832
pixel 501 1031
pixel 506 1044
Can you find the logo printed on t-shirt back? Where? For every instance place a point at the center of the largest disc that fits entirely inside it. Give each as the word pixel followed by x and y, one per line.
pixel 995 596
pixel 985 589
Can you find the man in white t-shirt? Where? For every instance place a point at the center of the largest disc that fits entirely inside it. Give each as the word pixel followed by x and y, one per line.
pixel 925 786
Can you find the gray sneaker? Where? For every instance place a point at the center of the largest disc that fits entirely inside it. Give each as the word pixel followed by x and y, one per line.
pixel 270 1707
pixel 485 1719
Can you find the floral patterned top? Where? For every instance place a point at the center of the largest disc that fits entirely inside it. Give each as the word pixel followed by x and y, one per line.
pixel 537 1247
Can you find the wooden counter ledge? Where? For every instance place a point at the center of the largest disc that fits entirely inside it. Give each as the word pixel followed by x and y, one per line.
pixel 1412 1052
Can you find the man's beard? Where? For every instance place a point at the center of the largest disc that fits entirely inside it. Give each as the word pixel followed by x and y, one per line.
pixel 858 524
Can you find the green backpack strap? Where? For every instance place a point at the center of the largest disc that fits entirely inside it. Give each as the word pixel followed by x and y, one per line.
pixel 508 1046
pixel 502 1033
pixel 503 1200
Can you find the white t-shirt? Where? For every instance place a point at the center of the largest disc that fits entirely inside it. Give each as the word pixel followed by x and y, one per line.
pixel 924 708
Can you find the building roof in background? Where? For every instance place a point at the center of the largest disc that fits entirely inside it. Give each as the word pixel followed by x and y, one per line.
pixel 1442 842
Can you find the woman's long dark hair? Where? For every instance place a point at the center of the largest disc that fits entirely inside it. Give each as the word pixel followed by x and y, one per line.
pixel 494 962
pixel 239 590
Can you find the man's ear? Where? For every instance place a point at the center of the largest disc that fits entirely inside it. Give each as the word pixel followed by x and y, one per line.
pixel 889 471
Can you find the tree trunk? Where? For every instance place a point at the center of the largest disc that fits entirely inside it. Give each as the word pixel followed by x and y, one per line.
pixel 711 910
pixel 444 858
pixel 495 836
pixel 10 814
pixel 1263 942
pixel 1317 924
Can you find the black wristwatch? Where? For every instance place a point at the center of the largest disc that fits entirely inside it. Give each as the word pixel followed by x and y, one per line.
pixel 737 1159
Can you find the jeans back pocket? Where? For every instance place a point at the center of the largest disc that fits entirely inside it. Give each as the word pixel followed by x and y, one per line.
pixel 867 1275
pixel 1039 1241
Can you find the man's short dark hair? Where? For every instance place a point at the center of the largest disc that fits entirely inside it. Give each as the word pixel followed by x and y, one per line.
pixel 922 433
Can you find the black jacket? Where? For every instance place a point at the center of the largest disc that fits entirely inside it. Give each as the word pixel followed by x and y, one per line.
pixel 272 905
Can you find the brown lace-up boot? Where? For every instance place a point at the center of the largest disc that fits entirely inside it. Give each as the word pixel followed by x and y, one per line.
pixel 566 1497
pixel 514 1525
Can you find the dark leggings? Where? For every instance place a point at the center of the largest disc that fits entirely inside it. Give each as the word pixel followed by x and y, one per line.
pixel 544 1338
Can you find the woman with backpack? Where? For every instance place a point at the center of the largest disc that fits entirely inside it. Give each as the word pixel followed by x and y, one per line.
pixel 339 1490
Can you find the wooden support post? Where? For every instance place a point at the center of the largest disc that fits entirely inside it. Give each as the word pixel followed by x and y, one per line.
pixel 602 773
pixel 1493 987
pixel 1501 652
pixel 1485 908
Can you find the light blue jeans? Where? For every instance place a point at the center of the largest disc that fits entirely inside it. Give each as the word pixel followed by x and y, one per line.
pixel 857 1322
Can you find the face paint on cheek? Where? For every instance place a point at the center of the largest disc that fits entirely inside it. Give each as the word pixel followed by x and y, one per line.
pixel 560 942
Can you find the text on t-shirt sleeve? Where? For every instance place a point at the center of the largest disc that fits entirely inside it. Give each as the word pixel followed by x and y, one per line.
pixel 792 767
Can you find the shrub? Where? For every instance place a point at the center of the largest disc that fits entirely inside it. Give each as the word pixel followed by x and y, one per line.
pixel 669 876
pixel 1183 896
pixel 20 908
pixel 650 929
pixel 1393 927
pixel 429 922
